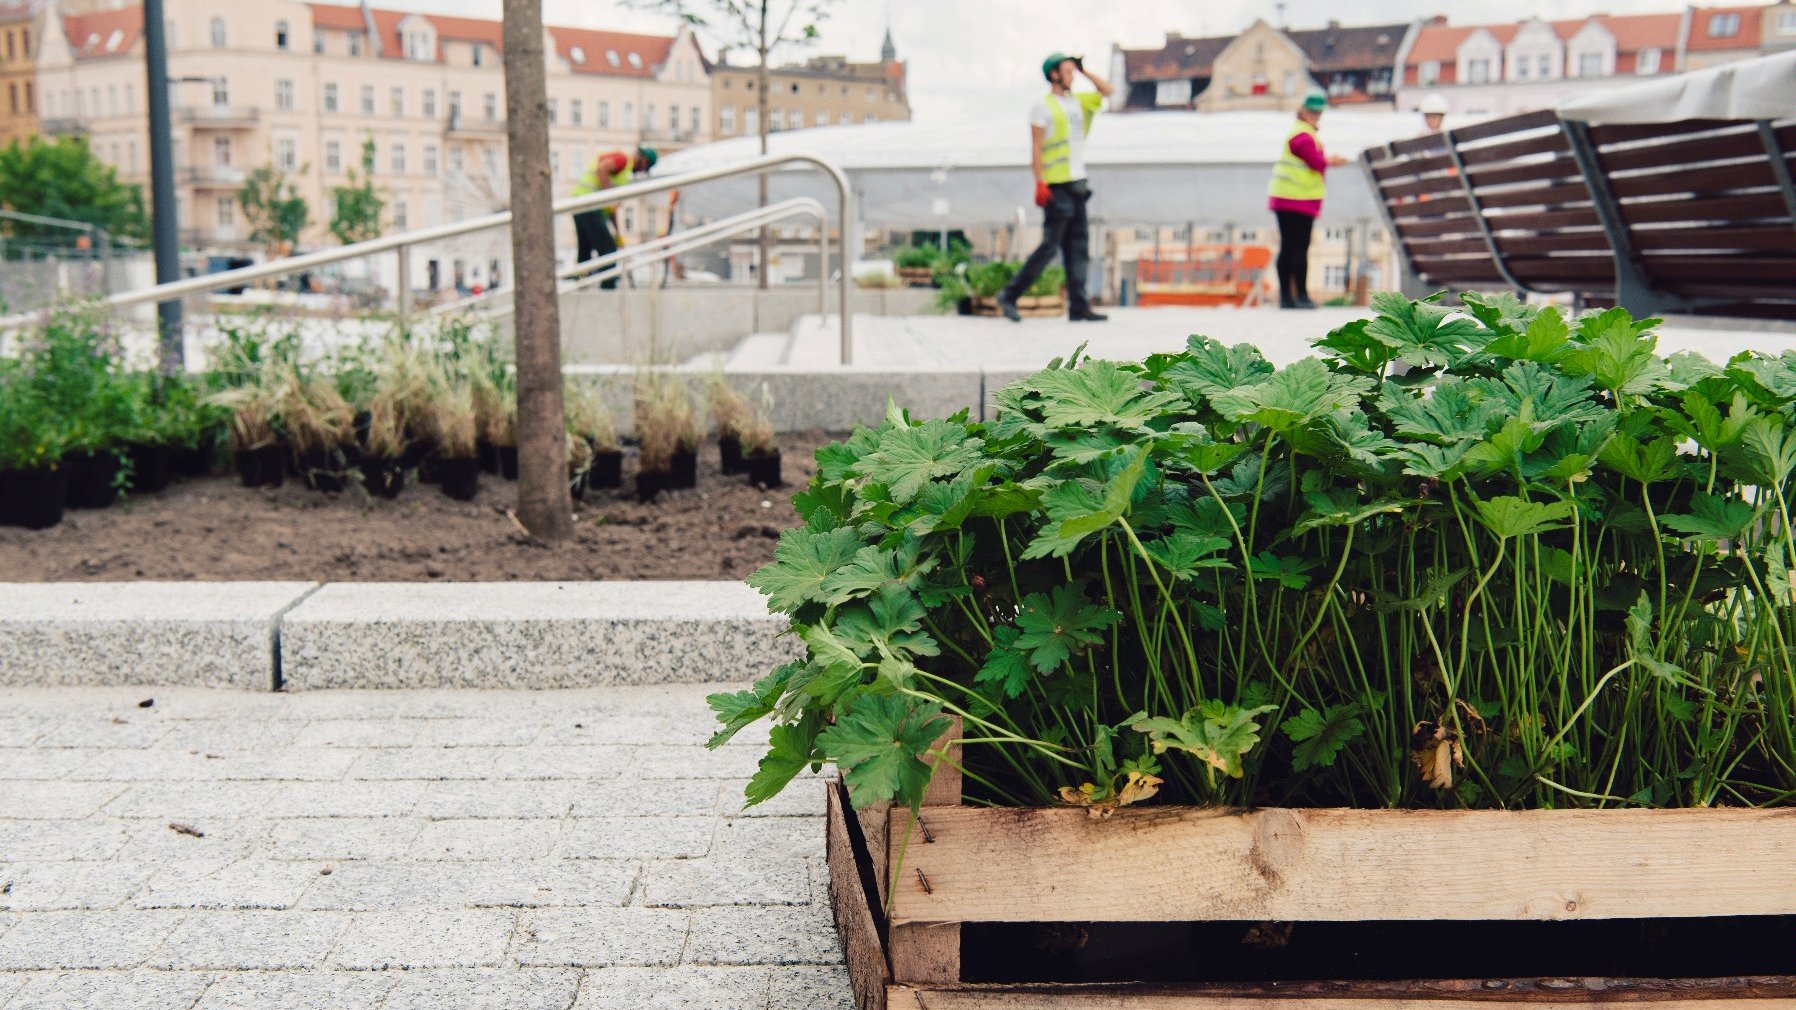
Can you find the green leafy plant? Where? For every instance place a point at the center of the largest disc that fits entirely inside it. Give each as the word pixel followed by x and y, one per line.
pixel 1540 565
pixel 914 257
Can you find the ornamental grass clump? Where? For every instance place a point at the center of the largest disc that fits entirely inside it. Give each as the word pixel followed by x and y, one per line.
pixel 1490 558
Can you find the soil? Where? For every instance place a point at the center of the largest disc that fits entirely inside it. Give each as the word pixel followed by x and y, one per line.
pixel 212 528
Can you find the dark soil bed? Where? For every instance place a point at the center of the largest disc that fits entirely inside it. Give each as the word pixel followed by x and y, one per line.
pixel 212 528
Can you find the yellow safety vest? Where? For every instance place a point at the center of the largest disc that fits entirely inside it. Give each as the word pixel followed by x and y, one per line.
pixel 1292 178
pixel 1056 145
pixel 589 183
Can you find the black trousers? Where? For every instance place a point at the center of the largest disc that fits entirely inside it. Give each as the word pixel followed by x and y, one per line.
pixel 594 234
pixel 1294 254
pixel 1065 233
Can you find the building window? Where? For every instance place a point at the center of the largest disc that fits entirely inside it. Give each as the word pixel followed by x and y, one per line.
pixel 283 39
pixel 1521 69
pixel 726 119
pixel 611 57
pixel 418 47
pixel 367 99
pixel 454 105
pixel 399 214
pixel 1172 92
pixel 1334 277
pixel 477 56
pixel 820 119
pixel 1430 73
pixel 283 95
pixel 490 106
pixel 872 94
pixel 604 115
pixel 577 55
pixel 396 99
pixel 219 39
pixel 330 97
pixel 131 156
pixel 221 151
pixel 1724 26
pixel 430 159
pixel 695 119
pixel 112 100
pixel 355 43
pixel 576 112
pixel 12 93
pixel 554 112
pixel 286 154
pixel 1546 66
pixel 221 93
pixel 751 120
pixel 845 118
pixel 648 115
pixel 636 60
pixel 554 162
pixel 1477 71
pixel 318 43
pixel 629 115
pixel 455 161
pixel 1647 62
pixel 227 212
pixel 673 118
pixel 333 156
pixel 430 103
pixel 1786 25
pixel 29 104
pixel 398 159
pixel 130 100
pixel 1590 64
pixel 776 119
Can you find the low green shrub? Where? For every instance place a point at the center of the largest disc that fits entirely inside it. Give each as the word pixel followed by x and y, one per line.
pixel 1487 559
pixel 914 257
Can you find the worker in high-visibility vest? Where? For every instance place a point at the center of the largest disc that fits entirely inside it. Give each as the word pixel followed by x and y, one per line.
pixel 594 228
pixel 1295 198
pixel 1058 125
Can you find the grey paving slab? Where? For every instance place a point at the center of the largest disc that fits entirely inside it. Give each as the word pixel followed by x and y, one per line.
pixel 686 883
pixel 221 736
pixel 344 799
pixel 56 886
pixel 638 837
pixel 167 843
pixel 485 989
pixel 24 841
pixel 104 731
pixel 771 838
pixel 106 990
pixel 10 983
pixel 752 935
pixel 539 883
pixel 802 798
pixel 211 634
pixel 686 988
pixel 250 941
pixel 298 990
pixel 85 939
pixel 600 937
pixel 486 838
pixel 240 883
pixel 451 800
pixel 428 764
pixel 544 634
pixel 669 797
pixel 55 800
pixel 456 938
pixel 339 838
pixel 821 987
pixel 189 800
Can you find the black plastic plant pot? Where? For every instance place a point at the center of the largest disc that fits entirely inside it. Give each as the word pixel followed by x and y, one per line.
pixel 322 469
pixel 33 498
pixel 577 484
pixel 488 454
pixel 256 467
pixel 93 479
pixel 763 471
pixel 607 469
pixel 196 461
pixel 414 455
pixel 650 484
pixel 685 469
pixel 427 469
pixel 383 477
pixel 459 478
pixel 729 453
pixel 508 462
pixel 150 469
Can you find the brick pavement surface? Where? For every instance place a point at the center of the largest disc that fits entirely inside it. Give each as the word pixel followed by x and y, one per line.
pixel 453 850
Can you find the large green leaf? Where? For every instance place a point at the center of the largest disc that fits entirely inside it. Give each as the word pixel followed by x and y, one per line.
pixel 1448 414
pixel 1208 368
pixel 1423 333
pixel 1053 626
pixel 1508 516
pixel 1004 665
pixel 1295 395
pixel 801 562
pixel 1320 735
pixel 1711 516
pixel 790 748
pixel 908 458
pixel 1100 392
pixel 1650 463
pixel 1216 733
pixel 1545 338
pixel 738 709
pixel 879 744
pixel 1617 355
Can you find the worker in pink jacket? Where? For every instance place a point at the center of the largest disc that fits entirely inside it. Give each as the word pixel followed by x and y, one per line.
pixel 1295 197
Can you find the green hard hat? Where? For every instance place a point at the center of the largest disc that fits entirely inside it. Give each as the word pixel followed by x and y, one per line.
pixel 1315 101
pixel 649 155
pixel 1048 65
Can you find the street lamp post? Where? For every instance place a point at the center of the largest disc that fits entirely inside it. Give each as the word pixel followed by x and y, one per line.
pixel 162 185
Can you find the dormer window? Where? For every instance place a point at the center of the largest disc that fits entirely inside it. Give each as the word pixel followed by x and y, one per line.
pixel 282 37
pixel 636 60
pixel 477 54
pixel 418 47
pixel 113 40
pixel 218 33
pixel 578 55
pixel 611 57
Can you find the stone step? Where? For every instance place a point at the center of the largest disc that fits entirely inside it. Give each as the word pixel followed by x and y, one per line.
pixel 759 350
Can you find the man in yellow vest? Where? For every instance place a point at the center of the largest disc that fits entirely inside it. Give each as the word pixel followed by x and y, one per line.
pixel 1295 198
pixel 1058 125
pixel 593 228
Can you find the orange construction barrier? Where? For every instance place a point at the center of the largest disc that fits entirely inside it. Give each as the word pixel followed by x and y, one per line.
pixel 1219 274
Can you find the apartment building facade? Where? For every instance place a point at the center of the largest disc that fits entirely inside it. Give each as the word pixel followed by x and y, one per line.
pixel 306 88
pixel 18 74
pixel 822 91
pixel 1262 67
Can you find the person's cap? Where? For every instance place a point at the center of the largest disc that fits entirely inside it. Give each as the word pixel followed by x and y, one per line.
pixel 1434 105
pixel 1048 65
pixel 649 155
pixel 1315 101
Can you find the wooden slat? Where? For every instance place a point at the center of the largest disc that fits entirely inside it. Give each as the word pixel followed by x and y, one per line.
pixel 1695 180
pixel 1522 244
pixel 1169 998
pixel 1421 187
pixel 1778 290
pixel 1431 208
pixel 1563 268
pixel 1423 144
pixel 1528 171
pixel 925 952
pixel 1715 208
pixel 1463 224
pixel 1684 152
pixel 1775 238
pixel 1621 133
pixel 853 909
pixel 1546 143
pixel 1724 267
pixel 1544 220
pixel 1532 196
pixel 1411 167
pixel 1483 991
pixel 1513 124
pixel 1186 863
pixel 1447 247
pixel 1469 272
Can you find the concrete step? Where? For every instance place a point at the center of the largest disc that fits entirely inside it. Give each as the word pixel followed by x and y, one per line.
pixel 759 350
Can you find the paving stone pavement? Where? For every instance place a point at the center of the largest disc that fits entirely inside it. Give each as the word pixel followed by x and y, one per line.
pixel 391 850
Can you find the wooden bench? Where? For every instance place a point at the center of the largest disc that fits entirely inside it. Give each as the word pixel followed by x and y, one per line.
pixel 1689 217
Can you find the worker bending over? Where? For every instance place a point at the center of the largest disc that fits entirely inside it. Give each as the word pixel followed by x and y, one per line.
pixel 594 228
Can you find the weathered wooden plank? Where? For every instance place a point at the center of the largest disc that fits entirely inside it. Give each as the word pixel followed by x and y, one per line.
pixel 874 820
pixel 1171 863
pixel 1513 124
pixel 1758 990
pixel 924 952
pixel 1139 998
pixel 850 904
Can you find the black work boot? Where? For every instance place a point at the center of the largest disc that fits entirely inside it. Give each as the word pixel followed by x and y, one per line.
pixel 1007 305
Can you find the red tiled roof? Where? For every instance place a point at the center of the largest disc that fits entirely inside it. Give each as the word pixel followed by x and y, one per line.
pixel 1350 48
pixel 1746 38
pixel 333 16
pixel 89 34
pixel 469 30
pixel 1633 32
pixel 652 50
pixel 1176 60
pixel 11 11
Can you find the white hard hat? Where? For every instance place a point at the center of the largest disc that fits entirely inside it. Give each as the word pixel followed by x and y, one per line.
pixel 1434 105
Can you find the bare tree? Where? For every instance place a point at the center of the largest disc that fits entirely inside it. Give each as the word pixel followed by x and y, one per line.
pixel 759 25
pixel 544 504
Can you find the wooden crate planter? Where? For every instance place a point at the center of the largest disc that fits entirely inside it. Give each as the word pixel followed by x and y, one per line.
pixel 966 864
pixel 1030 306
pixel 917 277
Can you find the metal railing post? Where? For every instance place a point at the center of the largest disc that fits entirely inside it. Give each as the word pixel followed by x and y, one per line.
pixel 846 290
pixel 403 285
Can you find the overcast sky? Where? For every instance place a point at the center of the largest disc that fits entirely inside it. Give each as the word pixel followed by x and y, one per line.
pixel 985 55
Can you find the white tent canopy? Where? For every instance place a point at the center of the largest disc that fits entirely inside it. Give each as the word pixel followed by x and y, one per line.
pixel 1761 88
pixel 1156 168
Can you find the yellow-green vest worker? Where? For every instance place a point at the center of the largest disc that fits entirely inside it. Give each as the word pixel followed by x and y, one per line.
pixel 1292 177
pixel 1295 198
pixel 592 227
pixel 1056 145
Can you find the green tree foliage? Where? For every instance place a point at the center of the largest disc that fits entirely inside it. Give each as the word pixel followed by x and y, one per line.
pixel 61 177
pixel 274 209
pixel 359 204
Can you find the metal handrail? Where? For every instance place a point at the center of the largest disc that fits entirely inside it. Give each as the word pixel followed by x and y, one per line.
pixel 614 264
pixel 402 242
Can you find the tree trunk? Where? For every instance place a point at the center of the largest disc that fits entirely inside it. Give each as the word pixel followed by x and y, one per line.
pixel 761 236
pixel 544 504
